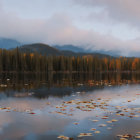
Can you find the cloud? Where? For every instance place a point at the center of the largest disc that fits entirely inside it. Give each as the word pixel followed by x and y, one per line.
pixel 60 29
pixel 127 11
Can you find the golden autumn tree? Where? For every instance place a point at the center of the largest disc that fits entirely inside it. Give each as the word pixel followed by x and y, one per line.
pixel 105 61
pixel 135 63
pixel 112 64
pixel 118 64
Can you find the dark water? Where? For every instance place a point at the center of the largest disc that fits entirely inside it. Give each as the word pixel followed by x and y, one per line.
pixel 45 106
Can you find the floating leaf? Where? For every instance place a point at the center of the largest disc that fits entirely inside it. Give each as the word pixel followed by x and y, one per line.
pixel 84 134
pixel 63 137
pixel 97 132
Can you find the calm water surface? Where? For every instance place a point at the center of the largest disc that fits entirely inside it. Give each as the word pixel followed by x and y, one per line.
pixel 43 107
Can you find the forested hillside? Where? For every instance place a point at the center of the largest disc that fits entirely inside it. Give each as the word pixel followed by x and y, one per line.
pixel 16 61
pixel 48 50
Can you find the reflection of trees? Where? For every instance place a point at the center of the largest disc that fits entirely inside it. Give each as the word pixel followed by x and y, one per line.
pixel 29 81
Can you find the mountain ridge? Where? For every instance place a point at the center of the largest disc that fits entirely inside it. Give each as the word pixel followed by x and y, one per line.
pixel 7 43
pixel 67 50
pixel 48 50
pixel 78 49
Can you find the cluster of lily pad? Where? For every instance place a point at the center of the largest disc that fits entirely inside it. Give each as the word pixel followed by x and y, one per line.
pixel 91 105
pixel 9 109
pixel 129 136
pixel 68 108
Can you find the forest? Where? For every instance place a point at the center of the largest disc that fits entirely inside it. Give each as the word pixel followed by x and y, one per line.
pixel 16 61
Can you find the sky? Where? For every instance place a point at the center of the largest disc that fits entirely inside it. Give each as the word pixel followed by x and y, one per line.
pixel 109 25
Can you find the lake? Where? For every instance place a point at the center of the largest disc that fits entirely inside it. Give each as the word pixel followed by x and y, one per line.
pixel 100 106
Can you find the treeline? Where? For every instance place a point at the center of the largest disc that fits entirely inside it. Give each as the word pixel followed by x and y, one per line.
pixel 15 61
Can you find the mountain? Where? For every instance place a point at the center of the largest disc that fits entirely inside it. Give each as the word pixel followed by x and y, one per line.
pixel 72 48
pixel 8 43
pixel 78 49
pixel 67 50
pixel 45 49
pixel 111 53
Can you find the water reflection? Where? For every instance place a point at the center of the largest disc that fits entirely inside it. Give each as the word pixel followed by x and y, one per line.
pixel 44 106
pixel 45 85
pixel 17 124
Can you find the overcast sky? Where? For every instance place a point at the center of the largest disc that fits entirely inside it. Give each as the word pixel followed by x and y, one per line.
pixel 96 24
